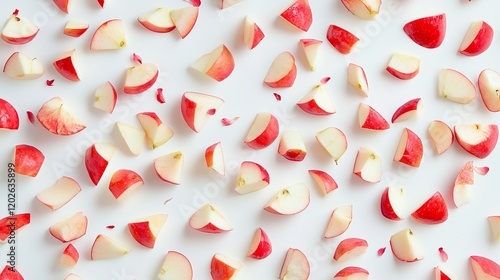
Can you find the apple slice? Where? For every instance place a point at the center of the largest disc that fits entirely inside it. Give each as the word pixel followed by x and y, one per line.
pixel 477 139
pixel 73 276
pixel 411 109
pixel 60 193
pixel 427 32
pixel 105 98
pixel 75 28
pixel 124 182
pixel 489 88
pixel 317 102
pixel 10 273
pixel 110 35
pixel 292 146
pixel 13 223
pixel 169 167
pixel 67 66
pixel 224 4
pixel 260 247
pixel 224 268
pixel 352 273
pixel 251 177
pixel 370 119
pixel 403 66
pixel 106 248
pixel 295 266
pixel 406 247
pixel 462 189
pixel 289 201
pixel 140 78
pixel 218 64
pixel 333 141
pixel 311 49
pixel 64 5
pixel 455 87
pixel 103 3
pixel 18 30
pixel 133 137
pixel 9 118
pixel 410 149
pixel 214 158
pixel 341 39
pixel 350 248
pixel 184 19
pixel 69 257
pixel 175 266
pixel 368 165
pixel 56 119
pixel 196 108
pixel 477 39
pixel 441 136
pixel 208 219
pixel 282 72
pixel 432 211
pixel 494 223
pixel 263 131
pixel 324 181
pixel 392 203
pixel 299 14
pixel 252 34
pixel 27 160
pixel 441 274
pixel 97 158
pixel 70 228
pixel 365 9
pixel 339 221
pixel 22 67
pixel 146 230
pixel 157 20
pixel 356 77
pixel 157 133
pixel 484 268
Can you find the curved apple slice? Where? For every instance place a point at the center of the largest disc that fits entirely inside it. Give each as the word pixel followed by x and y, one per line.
pixel 441 274
pixel 410 149
pixel 6 227
pixel 282 72
pixel 175 266
pixel 410 109
pixel 455 87
pixel 18 30
pixel 428 32
pixel 9 119
pixel 69 257
pixel 299 14
pixel 364 9
pixel 53 117
pixel 252 34
pixel 123 183
pixel 324 181
pixel 263 131
pixel 368 165
pixel 356 77
pixel 157 133
pixel 489 88
pixel 145 230
pixel 214 158
pixel 295 266
pixel 223 267
pixel 317 102
pixel 71 228
pixel 67 66
pixel 105 98
pixel 494 223
pixel 208 219
pixel 140 78
pixel 403 66
pixel 97 158
pixel 218 64
pixel 157 20
pixel 352 273
pixel 477 39
pixel 197 108
pixel 27 160
pixel 57 195
pixel 370 119
pixel 64 5
pixel 406 247
pixel 392 203
pixel 291 146
pixel 350 248
pixel 106 248
pixel 169 167
pixel 21 67
pixel 432 211
pixel 260 247
pixel 289 201
pixel 311 49
pixel 484 268
pixel 341 39
pixel 75 28
pixel 110 35
pixel 441 136
pixel 339 221
pixel 184 19
pixel 477 139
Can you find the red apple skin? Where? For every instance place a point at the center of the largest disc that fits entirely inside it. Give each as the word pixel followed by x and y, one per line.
pixel 264 249
pixel 66 68
pixel 9 119
pixel 386 207
pixel 75 32
pixel 72 252
pixel 121 180
pixel 481 150
pixel 141 88
pixel 28 160
pixel 138 229
pixel 21 220
pixel 341 39
pixel 348 244
pixel 413 151
pixel 408 106
pixel 220 270
pixel 428 32
pixel 350 270
pixel 258 35
pixel 10 273
pixel 375 121
pixel 299 14
pixel 95 164
pixel 267 137
pixel 488 266
pixel 223 66
pixel 433 211
pixel 63 5
pixel 211 228
pixel 481 42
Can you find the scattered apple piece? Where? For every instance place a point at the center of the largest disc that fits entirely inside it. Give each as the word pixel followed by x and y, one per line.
pixel 14 223
pixel 352 273
pixel 18 30
pixel 356 77
pixel 392 203
pixel 175 266
pixel 184 19
pixel 341 39
pixel 157 20
pixel 350 248
pixel 370 119
pixel 432 211
pixel 157 133
pixel 251 177
pixel 260 247
pixel 410 149
pixel 317 102
pixel 218 64
pixel 333 141
pixel 403 66
pixel 477 39
pixel 208 219
pixel 484 268
pixel 311 49
pixel 410 109
pixel 214 158
pixel 69 257
pixel 105 98
pixel 292 146
pixel 290 200
pixel 97 158
pixel 478 140
pixel 195 108
pixel 364 9
pixel 299 14
pixel 27 160
pixel 406 247
pixel 441 136
pixel 169 167
pixel 70 228
pixel 106 248
pixel 9 118
pixel 22 67
pixel 140 78
pixel 67 66
pixel 75 28
pixel 428 32
pixel 132 136
pixel 455 87
pixel 489 89
pixel 282 72
pixel 252 34
pixel 368 165
pixel 60 193
pixel 263 131
pixel 224 268
pixel 324 181
pixel 295 266
pixel 110 35
pixel 124 182
pixel 145 230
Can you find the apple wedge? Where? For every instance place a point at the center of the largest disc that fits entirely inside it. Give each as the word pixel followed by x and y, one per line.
pixel 441 136
pixel 295 266
pixel 370 119
pixel 317 102
pixel 73 276
pixel 27 160
pixel 356 77
pixel 477 39
pixel 145 230
pixel 184 19
pixel 263 131
pixel 299 14
pixel 311 49
pixel 97 158
pixel 22 67
pixel 56 119
pixel 14 223
pixel 260 247
pixel 339 221
pixel 140 78
pixel 350 248
pixel 224 4
pixel 494 223
pixel 464 183
pixel 428 32
pixel 209 220
pixel 105 247
pixel 292 146
pixel 333 141
pixel 403 66
pixel 214 158
pixel 368 165
pixel 69 257
pixel 455 87
pixel 441 274
pixel 64 5
pixel 157 133
pixel 223 267
pixel 110 35
pixel 478 140
pixel 157 20
pixel 197 108
pixel 75 28
pixel 484 268
pixel 282 72
pixel 489 88
pixel 392 203
pixel 10 273
pixel 352 273
pixel 289 201
pixel 123 183
pixel 252 34
pixel 341 39
pixel 406 247
pixel 324 181
pixel 169 167
pixel 105 98
pixel 60 193
pixel 410 149
pixel 218 64
pixel 9 118
pixel 364 9
pixel 410 109
pixel 70 228
pixel 18 30
pixel 67 66
pixel 251 177
pixel 132 136
pixel 432 211
pixel 175 266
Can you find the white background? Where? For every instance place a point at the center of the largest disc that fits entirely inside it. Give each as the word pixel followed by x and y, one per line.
pixel 465 233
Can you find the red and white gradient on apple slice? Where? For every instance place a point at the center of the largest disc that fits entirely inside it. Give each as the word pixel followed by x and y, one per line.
pixel 132 136
pixel 223 267
pixel 184 19
pixel 209 220
pixel 218 64
pixel 282 72
pixel 157 20
pixel 352 273
pixel 6 227
pixel 484 268
pixel 123 183
pixel 97 158
pixel 176 266
pixel 478 140
pixel 494 223
pixel 146 230
pixel 292 146
pixel 75 28
pixel 157 132
pixel 251 177
pixel 364 9
pixel 260 247
pixel 105 97
pixel 489 88
pixel 18 30
pixel 140 78
pixel 410 150
pixel 368 165
pixel 69 257
pixel 67 65
pixel 409 110
pixel 70 228
pixel 323 180
pixel 350 248
pixel 295 266
pixel 477 39
pixel 60 193
pixel 312 51
pixel 341 39
pixel 263 131
pixel 442 274
pixel 403 66
pixel 56 119
pixel 299 15
pixel 252 34
pixel 105 248
pixel 392 203
pixel 339 221
pixel 110 35
pixel 333 141
pixel 455 86
pixel 214 158
pixel 290 200
pixel 371 119
pixel 317 102
pixel 196 108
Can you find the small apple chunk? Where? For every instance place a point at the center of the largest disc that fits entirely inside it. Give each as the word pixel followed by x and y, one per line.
pixel 350 248
pixel 214 158
pixel 282 72
pixel 406 247
pixel 352 273
pixel 368 165
pixel 477 39
pixel 364 9
pixel 132 136
pixel 484 268
pixel 56 119
pixel 489 89
pixel 410 109
pixel 22 67
pixel 146 230
pixel 64 5
pixel 403 66
pixel 324 181
pixel 260 247
pixel 27 160
pixel 67 66
pixel 105 98
pixel 441 274
pixel 370 119
pixel 9 118
pixel 13 223
pixel 73 276
pixel 197 108
pixel 252 34
pixel 10 273
pixel 123 183
pixel 317 102
pixel 333 141
pixel 263 131
pixel 494 223
pixel 478 140
pixel 97 158
pixel 157 20
pixel 106 248
pixel 18 30
pixel 464 183
pixel 292 146
pixel 60 193
pixel 251 177
pixel 428 32
pixel 70 229
pixel 157 132
pixel 341 39
pixel 110 35
pixel 339 221
pixel 175 266
pixel 299 14
pixel 184 19
pixel 289 201
pixel 140 78
pixel 311 49
pixel 392 203
pixel 169 167
pixel 410 149
pixel 218 64
pixel 455 87
pixel 432 211
pixel 356 77
pixel 295 266
pixel 208 219
pixel 69 257
pixel 441 136
pixel 224 268
pixel 75 28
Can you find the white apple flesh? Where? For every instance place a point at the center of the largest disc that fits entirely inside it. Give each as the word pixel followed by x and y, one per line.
pixel 289 201
pixel 169 167
pixel 403 66
pixel 263 131
pixel 105 247
pixel 455 87
pixel 251 177
pixel 356 77
pixel 406 247
pixel 110 35
pixel 21 67
pixel 292 146
pixel 175 266
pixel 282 72
pixel 60 193
pixel 489 89
pixel 339 221
pixel 441 136
pixel 368 165
pixel 295 266
pixel 70 228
